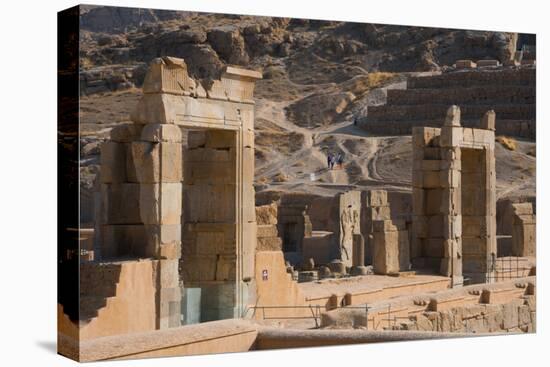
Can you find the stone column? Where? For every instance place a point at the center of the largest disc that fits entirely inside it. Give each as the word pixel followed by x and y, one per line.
pixel 157 158
pixel 349 210
pixel 450 179
pixel 391 247
pixel 486 136
pixel 523 230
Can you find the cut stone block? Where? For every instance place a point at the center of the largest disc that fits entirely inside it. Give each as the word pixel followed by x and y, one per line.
pixel 120 203
pixel 388 225
pixel 266 214
pixel 126 133
pixel 157 133
pixel 157 162
pixel 122 240
pixel 451 136
pixel 465 64
pixel 450 178
pixel 485 63
pixel 269 230
pixel 377 198
pixel 161 234
pixel 113 162
pixel 161 203
pixel 431 179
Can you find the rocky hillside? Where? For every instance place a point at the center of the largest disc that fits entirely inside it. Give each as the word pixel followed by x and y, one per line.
pixel 318 76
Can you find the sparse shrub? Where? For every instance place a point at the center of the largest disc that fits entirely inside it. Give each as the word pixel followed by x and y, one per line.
pixel 507 142
pixel 379 78
pixel 280 177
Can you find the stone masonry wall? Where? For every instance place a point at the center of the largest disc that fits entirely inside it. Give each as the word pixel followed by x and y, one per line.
pixel 510 92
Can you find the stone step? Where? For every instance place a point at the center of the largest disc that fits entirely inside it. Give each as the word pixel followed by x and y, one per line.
pixel 518 128
pixel 503 77
pixel 436 111
pixel 487 94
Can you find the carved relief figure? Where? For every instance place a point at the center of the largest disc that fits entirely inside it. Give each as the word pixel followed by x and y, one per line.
pixel 349 220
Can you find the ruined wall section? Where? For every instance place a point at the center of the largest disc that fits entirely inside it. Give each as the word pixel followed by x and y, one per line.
pixel 510 92
pixel 454 198
pixel 523 230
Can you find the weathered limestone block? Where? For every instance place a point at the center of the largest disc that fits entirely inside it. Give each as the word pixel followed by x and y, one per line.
pixel 431 179
pixel 450 178
pixel 217 139
pixel 380 213
pixel 358 250
pixel 451 136
pixel 465 64
pixel 523 230
pixel 113 162
pixel 452 117
pixel 163 240
pixel 157 133
pixel 267 230
pixel 196 139
pixel 391 251
pixel 161 203
pixel 488 121
pixel 120 203
pixel 421 226
pixel 157 162
pixel 198 268
pixel 168 272
pixel 337 266
pixel 123 240
pixel 377 198
pixel 486 63
pixel 126 133
pixel 225 268
pixel 452 226
pixel 158 108
pixel 131 171
pixel 269 244
pixel 424 136
pixel 266 214
pixel 418 201
pixel 388 225
pixel 524 236
pixel 210 203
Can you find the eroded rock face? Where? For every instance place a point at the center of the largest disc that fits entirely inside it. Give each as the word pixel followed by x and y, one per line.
pixel 229 44
pixel 319 109
pixel 331 51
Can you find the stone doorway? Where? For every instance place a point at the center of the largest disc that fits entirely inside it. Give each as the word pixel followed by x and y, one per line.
pixel 195 213
pixel 209 213
pixel 454 199
pixel 475 255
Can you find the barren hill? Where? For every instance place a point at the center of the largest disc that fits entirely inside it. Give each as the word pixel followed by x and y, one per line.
pixel 318 77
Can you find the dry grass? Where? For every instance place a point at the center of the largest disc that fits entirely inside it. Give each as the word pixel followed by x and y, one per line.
pixel 280 177
pixel 378 79
pixel 262 180
pixel 507 142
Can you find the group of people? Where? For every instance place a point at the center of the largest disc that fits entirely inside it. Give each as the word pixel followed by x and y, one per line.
pixel 332 160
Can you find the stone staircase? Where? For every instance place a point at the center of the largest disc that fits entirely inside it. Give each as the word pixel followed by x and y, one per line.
pixel 508 91
pixel 98 283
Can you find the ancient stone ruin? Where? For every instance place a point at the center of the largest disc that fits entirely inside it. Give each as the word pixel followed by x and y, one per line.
pixel 181 237
pixel 184 205
pixel 509 91
pixel 454 202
